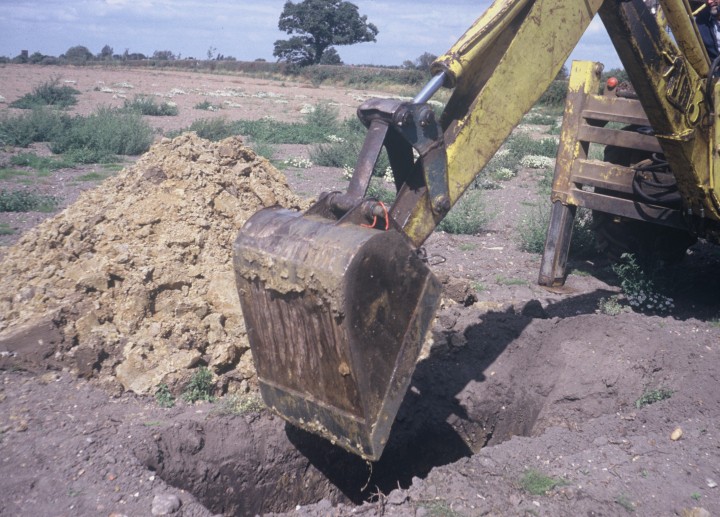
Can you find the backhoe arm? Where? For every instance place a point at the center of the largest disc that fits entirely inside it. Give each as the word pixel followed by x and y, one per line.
pixel 337 300
pixel 499 69
pixel 508 58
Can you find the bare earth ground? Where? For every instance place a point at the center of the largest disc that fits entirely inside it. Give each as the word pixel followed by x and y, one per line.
pixel 522 381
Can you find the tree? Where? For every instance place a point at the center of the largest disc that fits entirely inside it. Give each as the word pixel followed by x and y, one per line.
pixel 163 55
pixel 78 54
pixel 425 61
pixel 331 57
pixel 35 58
pixel 106 54
pixel 316 26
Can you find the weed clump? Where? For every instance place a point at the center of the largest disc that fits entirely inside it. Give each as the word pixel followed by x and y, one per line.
pixel 639 288
pixel 26 201
pixel 49 93
pixel 97 138
pixel 468 216
pixel 652 396
pixel 200 386
pixel 537 483
pixel 163 396
pixel 147 106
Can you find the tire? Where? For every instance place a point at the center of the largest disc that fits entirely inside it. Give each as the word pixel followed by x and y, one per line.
pixel 649 242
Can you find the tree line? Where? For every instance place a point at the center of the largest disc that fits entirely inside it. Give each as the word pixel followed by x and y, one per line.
pixel 316 27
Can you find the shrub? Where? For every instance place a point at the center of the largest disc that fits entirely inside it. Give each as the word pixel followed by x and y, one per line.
pixel 39 125
pixel 378 189
pixel 200 386
pixel 107 132
pixel 213 129
pixel 147 106
pixel 610 306
pixel 26 201
pixel 639 287
pixel 652 396
pixel 468 216
pixel 555 94
pixel 163 396
pixel 533 228
pixel 207 106
pixel 49 93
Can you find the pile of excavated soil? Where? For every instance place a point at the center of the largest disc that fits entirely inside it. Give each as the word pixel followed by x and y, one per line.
pixel 133 284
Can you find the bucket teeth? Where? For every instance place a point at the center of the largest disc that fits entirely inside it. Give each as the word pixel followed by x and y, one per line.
pixel 336 315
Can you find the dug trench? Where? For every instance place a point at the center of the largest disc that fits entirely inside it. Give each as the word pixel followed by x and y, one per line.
pixel 506 377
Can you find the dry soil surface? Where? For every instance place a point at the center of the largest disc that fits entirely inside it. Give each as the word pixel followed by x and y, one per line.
pixel 525 404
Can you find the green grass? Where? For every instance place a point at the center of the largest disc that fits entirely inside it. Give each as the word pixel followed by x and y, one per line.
pixel 42 164
pixel 479 287
pixel 49 93
pixel 625 501
pixel 537 483
pixel 439 508
pixel 501 280
pixel 146 105
pixel 92 176
pixel 314 129
pixel 26 201
pixel 6 229
pixel 653 396
pixel 6 173
pixel 468 216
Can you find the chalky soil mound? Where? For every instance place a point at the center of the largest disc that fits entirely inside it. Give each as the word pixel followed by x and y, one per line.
pixel 133 284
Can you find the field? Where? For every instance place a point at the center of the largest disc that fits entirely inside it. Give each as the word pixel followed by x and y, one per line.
pixel 527 401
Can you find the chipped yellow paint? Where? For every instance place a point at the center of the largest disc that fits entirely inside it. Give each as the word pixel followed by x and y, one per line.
pixel 516 46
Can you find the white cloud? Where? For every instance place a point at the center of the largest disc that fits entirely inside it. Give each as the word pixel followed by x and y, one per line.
pixel 241 28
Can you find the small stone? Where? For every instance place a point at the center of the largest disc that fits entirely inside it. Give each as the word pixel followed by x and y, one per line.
pixel 397 497
pixel 694 512
pixel 711 483
pixel 676 434
pixel 165 504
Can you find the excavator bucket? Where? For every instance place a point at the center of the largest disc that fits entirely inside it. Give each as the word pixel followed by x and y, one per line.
pixel 336 313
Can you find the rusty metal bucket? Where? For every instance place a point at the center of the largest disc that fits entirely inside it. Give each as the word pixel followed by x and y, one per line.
pixel 336 314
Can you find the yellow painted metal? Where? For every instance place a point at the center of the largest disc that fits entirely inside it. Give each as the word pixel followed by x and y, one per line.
pixel 584 80
pixel 679 16
pixel 713 184
pixel 468 52
pixel 670 90
pixel 495 89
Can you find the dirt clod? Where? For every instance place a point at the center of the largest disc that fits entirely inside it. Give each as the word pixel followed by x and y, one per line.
pixel 134 281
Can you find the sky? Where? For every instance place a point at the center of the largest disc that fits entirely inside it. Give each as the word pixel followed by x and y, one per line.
pixel 244 29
